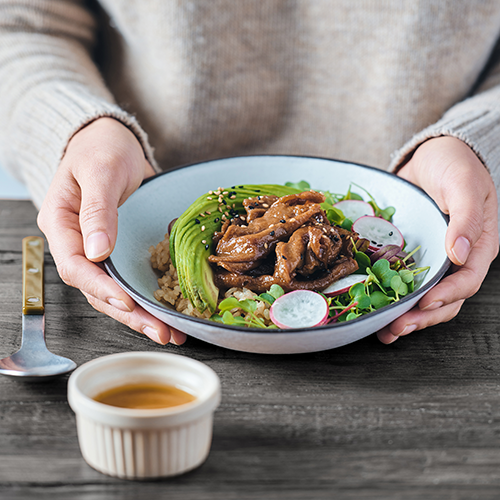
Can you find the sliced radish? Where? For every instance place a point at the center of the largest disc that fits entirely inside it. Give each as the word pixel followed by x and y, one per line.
pixel 171 225
pixel 343 285
pixel 379 232
pixel 299 309
pixel 354 209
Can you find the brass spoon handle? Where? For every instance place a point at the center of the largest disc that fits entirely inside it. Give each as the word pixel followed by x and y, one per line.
pixel 33 300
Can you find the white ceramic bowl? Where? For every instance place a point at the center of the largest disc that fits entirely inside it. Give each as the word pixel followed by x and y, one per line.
pixel 144 218
pixel 137 443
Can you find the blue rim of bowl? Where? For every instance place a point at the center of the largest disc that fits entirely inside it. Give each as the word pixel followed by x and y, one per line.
pixel 112 271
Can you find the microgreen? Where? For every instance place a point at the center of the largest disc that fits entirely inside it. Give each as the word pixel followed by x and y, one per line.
pixel 242 312
pixel 383 286
pixel 386 213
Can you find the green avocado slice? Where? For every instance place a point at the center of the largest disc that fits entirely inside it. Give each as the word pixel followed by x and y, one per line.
pixel 191 237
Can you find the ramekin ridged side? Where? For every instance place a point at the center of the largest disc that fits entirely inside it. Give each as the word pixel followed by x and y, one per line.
pixel 148 453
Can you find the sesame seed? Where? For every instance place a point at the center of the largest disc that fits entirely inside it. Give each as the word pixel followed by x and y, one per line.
pixel 210 192
pixel 207 246
pixel 196 221
pixel 209 197
pixel 216 219
pixel 226 214
pixel 202 215
pixel 233 196
pixel 208 213
pixel 203 228
pixel 220 209
pixel 265 245
pixel 265 205
pixel 225 192
pixel 204 241
pixel 242 217
pixel 292 219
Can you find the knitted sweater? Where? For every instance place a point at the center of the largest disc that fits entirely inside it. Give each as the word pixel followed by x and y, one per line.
pixel 364 81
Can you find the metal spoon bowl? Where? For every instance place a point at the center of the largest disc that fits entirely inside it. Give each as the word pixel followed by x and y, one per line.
pixel 33 361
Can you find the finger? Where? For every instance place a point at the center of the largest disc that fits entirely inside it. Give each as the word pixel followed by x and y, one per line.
pixel 63 234
pixel 98 216
pixel 140 321
pixel 461 284
pixel 469 205
pixel 417 319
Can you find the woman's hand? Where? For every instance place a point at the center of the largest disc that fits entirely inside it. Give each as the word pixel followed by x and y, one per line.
pixel 103 165
pixel 451 174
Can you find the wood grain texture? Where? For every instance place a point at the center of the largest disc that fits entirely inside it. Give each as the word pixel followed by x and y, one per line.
pixel 419 419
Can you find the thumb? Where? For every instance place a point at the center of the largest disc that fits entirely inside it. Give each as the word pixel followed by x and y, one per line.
pixel 99 222
pixel 464 230
pixel 465 199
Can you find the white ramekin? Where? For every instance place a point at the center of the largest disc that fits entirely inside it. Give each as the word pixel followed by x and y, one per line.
pixel 142 444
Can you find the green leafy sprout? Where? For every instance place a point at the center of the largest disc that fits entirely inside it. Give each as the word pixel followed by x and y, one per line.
pixel 386 283
pixel 242 312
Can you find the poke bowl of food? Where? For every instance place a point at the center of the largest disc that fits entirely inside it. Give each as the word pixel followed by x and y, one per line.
pixel 278 254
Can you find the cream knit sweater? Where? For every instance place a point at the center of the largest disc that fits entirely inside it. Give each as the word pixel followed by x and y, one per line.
pixel 365 81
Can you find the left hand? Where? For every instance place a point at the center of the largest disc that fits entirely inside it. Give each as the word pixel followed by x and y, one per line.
pixel 454 177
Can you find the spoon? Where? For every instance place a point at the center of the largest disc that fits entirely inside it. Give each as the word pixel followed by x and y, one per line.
pixel 33 361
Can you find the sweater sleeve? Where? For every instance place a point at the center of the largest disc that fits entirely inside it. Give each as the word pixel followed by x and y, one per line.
pixel 49 87
pixel 475 121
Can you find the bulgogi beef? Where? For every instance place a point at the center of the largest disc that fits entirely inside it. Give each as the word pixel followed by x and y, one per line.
pixel 286 241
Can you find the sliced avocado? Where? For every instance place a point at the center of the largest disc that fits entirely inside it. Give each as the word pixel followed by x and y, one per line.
pixel 191 238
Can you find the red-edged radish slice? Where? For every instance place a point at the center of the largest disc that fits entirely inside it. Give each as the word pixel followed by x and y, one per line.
pixel 343 285
pixel 379 232
pixel 171 225
pixel 299 309
pixel 354 209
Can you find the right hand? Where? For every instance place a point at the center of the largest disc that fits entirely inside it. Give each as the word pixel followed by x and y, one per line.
pixel 103 165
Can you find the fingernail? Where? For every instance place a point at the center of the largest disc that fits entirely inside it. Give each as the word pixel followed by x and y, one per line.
pixel 97 245
pixel 394 338
pixel 432 306
pixel 153 334
pixel 119 304
pixel 407 329
pixel 461 249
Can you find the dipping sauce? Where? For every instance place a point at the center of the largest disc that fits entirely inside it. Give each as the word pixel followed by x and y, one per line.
pixel 145 396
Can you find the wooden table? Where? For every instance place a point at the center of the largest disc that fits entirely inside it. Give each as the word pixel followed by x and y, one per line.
pixel 418 419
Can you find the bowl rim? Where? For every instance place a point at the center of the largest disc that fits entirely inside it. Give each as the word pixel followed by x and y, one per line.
pixel 113 272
